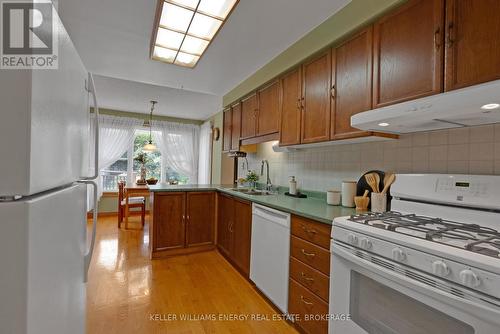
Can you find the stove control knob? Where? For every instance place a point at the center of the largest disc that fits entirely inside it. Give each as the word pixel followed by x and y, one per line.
pixel 439 268
pixel 469 278
pixel 366 244
pixel 398 254
pixel 352 239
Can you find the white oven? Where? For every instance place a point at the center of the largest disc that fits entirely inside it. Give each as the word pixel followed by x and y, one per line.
pixel 382 296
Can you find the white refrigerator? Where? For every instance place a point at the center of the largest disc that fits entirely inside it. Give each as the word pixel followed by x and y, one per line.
pixel 45 171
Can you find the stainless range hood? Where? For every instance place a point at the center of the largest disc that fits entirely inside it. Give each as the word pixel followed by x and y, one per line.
pixel 458 108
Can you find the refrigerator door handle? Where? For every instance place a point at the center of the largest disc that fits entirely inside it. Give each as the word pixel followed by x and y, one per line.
pixel 92 89
pixel 88 255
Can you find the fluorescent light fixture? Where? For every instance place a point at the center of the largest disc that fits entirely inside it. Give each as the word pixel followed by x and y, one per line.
pixel 490 106
pixel 185 28
pixel 383 124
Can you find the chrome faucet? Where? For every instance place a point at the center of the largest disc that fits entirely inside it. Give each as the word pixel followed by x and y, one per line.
pixel 269 186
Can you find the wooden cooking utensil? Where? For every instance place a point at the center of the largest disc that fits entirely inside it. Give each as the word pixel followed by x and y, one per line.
pixel 388 180
pixel 366 193
pixel 377 182
pixel 372 181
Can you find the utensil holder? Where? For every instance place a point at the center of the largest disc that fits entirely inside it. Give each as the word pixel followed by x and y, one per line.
pixel 361 203
pixel 379 202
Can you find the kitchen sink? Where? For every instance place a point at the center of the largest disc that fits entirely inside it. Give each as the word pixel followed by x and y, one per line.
pixel 252 192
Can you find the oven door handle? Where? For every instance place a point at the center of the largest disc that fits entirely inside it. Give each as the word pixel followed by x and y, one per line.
pixel 485 312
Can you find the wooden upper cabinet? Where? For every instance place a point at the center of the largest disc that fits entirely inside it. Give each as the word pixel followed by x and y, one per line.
pixel 316 87
pixel 235 126
pixel 248 117
pixel 226 131
pixel 408 52
pixel 268 110
pixel 200 212
pixel 242 234
pixel 290 113
pixel 169 221
pixel 352 82
pixel 472 42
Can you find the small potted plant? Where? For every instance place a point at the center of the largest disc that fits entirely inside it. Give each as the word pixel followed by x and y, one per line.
pixel 142 159
pixel 252 179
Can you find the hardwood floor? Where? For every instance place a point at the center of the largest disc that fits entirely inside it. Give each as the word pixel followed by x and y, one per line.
pixel 128 293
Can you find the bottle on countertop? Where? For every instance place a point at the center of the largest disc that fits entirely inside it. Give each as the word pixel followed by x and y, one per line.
pixel 292 184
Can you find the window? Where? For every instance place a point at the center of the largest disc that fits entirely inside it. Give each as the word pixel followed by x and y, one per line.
pixel 185 28
pixel 128 170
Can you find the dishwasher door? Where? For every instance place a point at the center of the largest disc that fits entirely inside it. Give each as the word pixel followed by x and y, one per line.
pixel 270 254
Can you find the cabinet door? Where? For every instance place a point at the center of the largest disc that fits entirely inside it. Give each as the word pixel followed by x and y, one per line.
pixel 225 219
pixel 408 53
pixel 316 99
pixel 169 221
pixel 226 132
pixel 200 211
pixel 472 42
pixel 268 111
pixel 248 117
pixel 352 83
pixel 236 127
pixel 290 106
pixel 242 233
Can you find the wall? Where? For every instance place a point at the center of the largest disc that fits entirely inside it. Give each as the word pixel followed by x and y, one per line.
pixel 217 149
pixel 473 150
pixel 354 15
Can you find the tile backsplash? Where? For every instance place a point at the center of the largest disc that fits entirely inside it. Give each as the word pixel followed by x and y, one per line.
pixel 474 150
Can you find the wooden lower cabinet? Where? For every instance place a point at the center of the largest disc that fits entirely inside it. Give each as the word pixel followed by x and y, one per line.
pixel 309 289
pixel 182 222
pixel 200 216
pixel 234 231
pixel 309 309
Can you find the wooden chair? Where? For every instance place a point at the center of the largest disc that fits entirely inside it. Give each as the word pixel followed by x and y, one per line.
pixel 133 202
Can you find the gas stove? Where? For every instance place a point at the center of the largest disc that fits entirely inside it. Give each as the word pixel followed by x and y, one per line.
pixel 472 237
pixel 436 255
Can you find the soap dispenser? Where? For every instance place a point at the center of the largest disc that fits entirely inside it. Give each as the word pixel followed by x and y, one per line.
pixel 292 184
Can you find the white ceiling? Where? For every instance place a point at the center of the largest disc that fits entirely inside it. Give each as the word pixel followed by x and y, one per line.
pixel 113 36
pixel 134 96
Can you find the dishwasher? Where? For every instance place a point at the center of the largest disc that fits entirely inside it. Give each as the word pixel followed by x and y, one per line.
pixel 270 254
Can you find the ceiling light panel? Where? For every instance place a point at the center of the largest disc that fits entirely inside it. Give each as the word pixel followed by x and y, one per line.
pixel 185 28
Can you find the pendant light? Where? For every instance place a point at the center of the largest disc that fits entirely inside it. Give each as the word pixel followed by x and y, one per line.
pixel 150 147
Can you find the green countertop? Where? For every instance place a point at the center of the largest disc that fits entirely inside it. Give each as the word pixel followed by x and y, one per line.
pixel 311 207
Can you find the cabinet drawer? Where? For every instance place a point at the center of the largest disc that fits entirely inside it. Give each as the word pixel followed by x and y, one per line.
pixel 312 231
pixel 312 279
pixel 309 308
pixel 315 256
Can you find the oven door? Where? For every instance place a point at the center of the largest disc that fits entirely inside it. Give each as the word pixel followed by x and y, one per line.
pixel 371 294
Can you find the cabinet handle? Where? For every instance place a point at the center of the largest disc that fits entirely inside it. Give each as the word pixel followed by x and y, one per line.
pixel 305 301
pixel 451 28
pixel 183 219
pixel 332 91
pixel 307 254
pixel 308 231
pixel 437 35
pixel 305 278
pixel 299 106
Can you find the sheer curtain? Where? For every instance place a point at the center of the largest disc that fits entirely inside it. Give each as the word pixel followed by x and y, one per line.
pixel 116 136
pixel 178 144
pixel 205 158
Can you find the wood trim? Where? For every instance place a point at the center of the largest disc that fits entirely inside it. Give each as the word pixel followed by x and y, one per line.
pixel 158 254
pixel 359 134
pixel 260 139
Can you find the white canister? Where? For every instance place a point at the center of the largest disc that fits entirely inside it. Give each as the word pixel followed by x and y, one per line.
pixel 333 197
pixel 379 202
pixel 348 193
